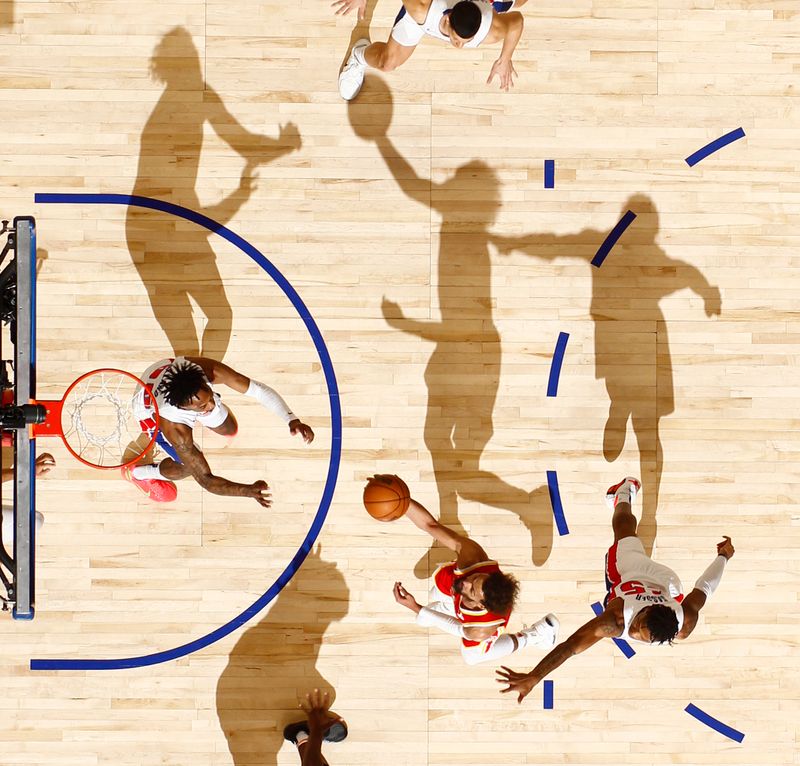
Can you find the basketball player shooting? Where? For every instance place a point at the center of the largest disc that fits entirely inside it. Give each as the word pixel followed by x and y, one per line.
pixel 184 392
pixel 644 600
pixel 464 24
pixel 472 599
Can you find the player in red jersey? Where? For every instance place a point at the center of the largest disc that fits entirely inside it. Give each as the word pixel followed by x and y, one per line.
pixel 472 598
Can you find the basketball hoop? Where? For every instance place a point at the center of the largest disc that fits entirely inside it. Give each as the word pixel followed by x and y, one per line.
pixel 98 421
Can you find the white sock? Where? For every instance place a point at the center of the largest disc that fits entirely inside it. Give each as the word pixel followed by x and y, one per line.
pixel 623 494
pixel 151 471
pixel 358 55
pixel 300 737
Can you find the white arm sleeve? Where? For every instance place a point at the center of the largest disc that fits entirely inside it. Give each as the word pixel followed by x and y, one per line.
pixel 710 579
pixel 431 618
pixel 271 399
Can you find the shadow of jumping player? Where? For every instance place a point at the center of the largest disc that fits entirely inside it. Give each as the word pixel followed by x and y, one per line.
pixel 274 662
pixel 463 371
pixel 175 259
pixel 632 353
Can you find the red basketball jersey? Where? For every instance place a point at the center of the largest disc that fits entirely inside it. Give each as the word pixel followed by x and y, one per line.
pixel 446 575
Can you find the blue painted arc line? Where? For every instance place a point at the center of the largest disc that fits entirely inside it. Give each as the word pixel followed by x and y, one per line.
pixel 708 720
pixel 333 463
pixel 555 503
pixel 549 174
pixel 612 238
pixel 555 364
pixel 714 146
pixel 548 695
pixel 621 643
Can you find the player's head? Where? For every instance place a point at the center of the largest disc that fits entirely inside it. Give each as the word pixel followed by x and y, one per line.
pixel 184 385
pixel 463 22
pixel 659 624
pixel 496 592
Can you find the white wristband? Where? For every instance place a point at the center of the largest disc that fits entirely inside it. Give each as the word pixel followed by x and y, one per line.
pixel 710 579
pixel 271 399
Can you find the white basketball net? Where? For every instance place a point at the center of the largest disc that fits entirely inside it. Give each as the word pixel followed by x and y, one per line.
pixel 98 420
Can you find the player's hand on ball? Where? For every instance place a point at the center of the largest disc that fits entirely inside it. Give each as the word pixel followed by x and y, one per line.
pixel 521 683
pixel 504 70
pixel 404 598
pixel 296 427
pixel 343 7
pixel 725 548
pixel 259 490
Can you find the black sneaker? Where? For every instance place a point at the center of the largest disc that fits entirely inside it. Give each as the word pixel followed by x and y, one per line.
pixel 291 731
pixel 336 732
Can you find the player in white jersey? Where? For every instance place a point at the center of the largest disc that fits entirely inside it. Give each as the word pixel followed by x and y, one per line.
pixel 644 600
pixel 182 388
pixel 462 23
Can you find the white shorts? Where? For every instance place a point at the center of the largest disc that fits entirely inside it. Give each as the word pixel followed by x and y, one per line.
pixel 626 560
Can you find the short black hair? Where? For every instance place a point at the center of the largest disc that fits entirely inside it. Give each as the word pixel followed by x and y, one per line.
pixel 500 592
pixel 181 382
pixel 465 19
pixel 662 622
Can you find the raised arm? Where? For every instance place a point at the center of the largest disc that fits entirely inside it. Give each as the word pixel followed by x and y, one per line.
pixel 604 625
pixel 180 437
pixel 706 584
pixel 267 397
pixel 467 550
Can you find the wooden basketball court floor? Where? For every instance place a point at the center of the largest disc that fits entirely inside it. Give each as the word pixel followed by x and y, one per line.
pixel 440 273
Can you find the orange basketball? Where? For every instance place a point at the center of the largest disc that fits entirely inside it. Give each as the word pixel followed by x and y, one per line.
pixel 386 497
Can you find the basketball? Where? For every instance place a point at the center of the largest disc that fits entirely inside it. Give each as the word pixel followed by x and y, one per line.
pixel 370 114
pixel 386 497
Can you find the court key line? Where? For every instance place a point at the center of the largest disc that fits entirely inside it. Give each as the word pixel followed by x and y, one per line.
pixel 612 238
pixel 714 146
pixel 336 437
pixel 708 720
pixel 555 503
pixel 556 362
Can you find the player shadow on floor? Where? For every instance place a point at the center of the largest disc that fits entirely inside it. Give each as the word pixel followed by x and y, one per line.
pixel 174 258
pixel 463 371
pixel 6 15
pixel 632 354
pixel 273 664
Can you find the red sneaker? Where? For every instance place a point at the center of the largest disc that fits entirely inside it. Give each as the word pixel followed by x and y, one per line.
pixel 158 490
pixel 611 493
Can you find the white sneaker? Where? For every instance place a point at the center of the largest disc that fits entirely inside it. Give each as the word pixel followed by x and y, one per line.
pixel 351 78
pixel 611 493
pixel 542 633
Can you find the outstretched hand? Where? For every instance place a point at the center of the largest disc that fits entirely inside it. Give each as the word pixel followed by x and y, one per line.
pixel 343 7
pixel 522 683
pixel 504 70
pixel 259 491
pixel 725 548
pixel 316 706
pixel 296 427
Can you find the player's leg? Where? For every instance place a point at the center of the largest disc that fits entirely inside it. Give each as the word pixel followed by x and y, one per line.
pixel 621 497
pixel 387 56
